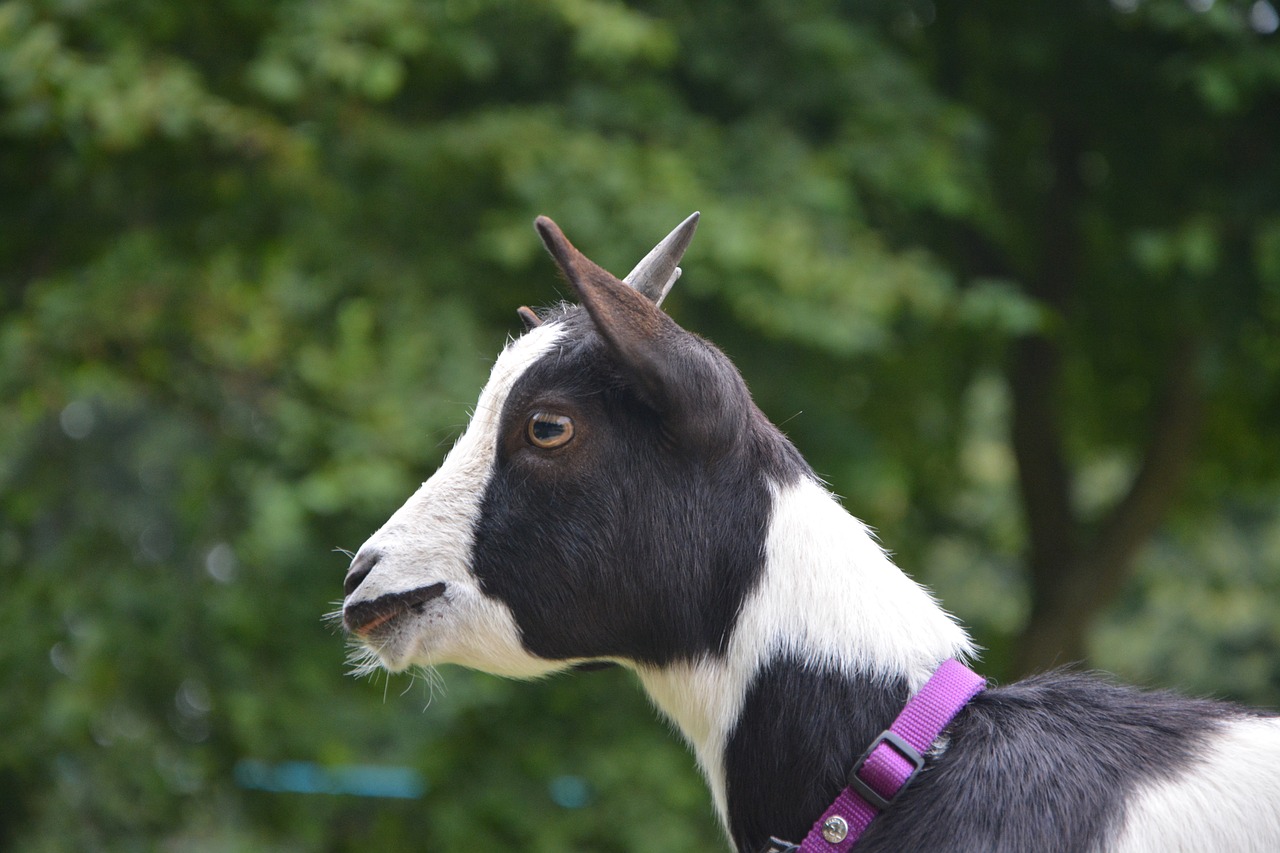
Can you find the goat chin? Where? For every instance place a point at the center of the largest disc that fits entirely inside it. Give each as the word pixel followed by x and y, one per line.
pixel 666 525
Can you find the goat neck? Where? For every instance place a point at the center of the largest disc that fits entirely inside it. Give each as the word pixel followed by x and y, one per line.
pixel 825 651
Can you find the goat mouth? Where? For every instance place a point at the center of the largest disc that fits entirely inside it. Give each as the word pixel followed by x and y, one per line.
pixel 368 616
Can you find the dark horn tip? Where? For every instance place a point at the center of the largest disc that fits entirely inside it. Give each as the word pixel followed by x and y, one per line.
pixel 691 223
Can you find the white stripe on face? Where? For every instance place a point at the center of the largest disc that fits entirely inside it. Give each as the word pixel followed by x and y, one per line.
pixel 429 540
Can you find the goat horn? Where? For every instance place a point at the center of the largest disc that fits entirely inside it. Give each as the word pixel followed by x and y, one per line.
pixel 658 270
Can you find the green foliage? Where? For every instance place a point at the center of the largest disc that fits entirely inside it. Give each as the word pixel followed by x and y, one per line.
pixel 256 257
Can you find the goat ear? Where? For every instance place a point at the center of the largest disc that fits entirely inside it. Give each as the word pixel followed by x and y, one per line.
pixel 677 373
pixel 529 318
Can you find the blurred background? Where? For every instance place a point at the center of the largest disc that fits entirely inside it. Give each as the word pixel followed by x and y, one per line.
pixel 1008 273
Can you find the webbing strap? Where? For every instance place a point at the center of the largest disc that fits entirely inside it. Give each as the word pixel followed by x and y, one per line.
pixel 893 759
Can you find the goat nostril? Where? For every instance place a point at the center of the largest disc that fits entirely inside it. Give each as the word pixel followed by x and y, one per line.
pixel 360 568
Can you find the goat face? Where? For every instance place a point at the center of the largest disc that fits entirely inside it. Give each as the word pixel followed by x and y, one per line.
pixel 608 501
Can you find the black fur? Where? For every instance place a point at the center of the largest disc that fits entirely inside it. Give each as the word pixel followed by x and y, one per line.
pixel 1043 764
pixel 800 730
pixel 632 541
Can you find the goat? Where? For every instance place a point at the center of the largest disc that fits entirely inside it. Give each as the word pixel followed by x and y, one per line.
pixel 618 498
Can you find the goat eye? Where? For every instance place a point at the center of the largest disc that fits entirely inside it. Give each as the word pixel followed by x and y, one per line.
pixel 549 431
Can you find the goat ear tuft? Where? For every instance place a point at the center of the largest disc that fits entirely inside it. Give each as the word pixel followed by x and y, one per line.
pixel 690 384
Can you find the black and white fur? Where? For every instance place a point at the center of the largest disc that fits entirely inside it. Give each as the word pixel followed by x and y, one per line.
pixel 678 533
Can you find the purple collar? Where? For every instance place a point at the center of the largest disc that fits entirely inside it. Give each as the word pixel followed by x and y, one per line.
pixel 891 762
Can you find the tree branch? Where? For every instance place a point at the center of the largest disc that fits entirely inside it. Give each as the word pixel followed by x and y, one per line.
pixel 1065 602
pixel 1137 516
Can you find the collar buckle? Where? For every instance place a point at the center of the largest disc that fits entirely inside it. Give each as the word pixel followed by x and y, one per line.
pixel 890 740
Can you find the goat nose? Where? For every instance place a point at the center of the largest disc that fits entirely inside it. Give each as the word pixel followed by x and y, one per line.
pixel 360 568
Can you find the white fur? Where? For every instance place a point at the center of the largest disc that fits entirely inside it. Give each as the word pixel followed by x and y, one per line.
pixel 1228 802
pixel 429 540
pixel 830 595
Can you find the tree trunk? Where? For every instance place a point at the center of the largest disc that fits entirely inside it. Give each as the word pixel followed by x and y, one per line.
pixel 1071 580
pixel 1075 569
